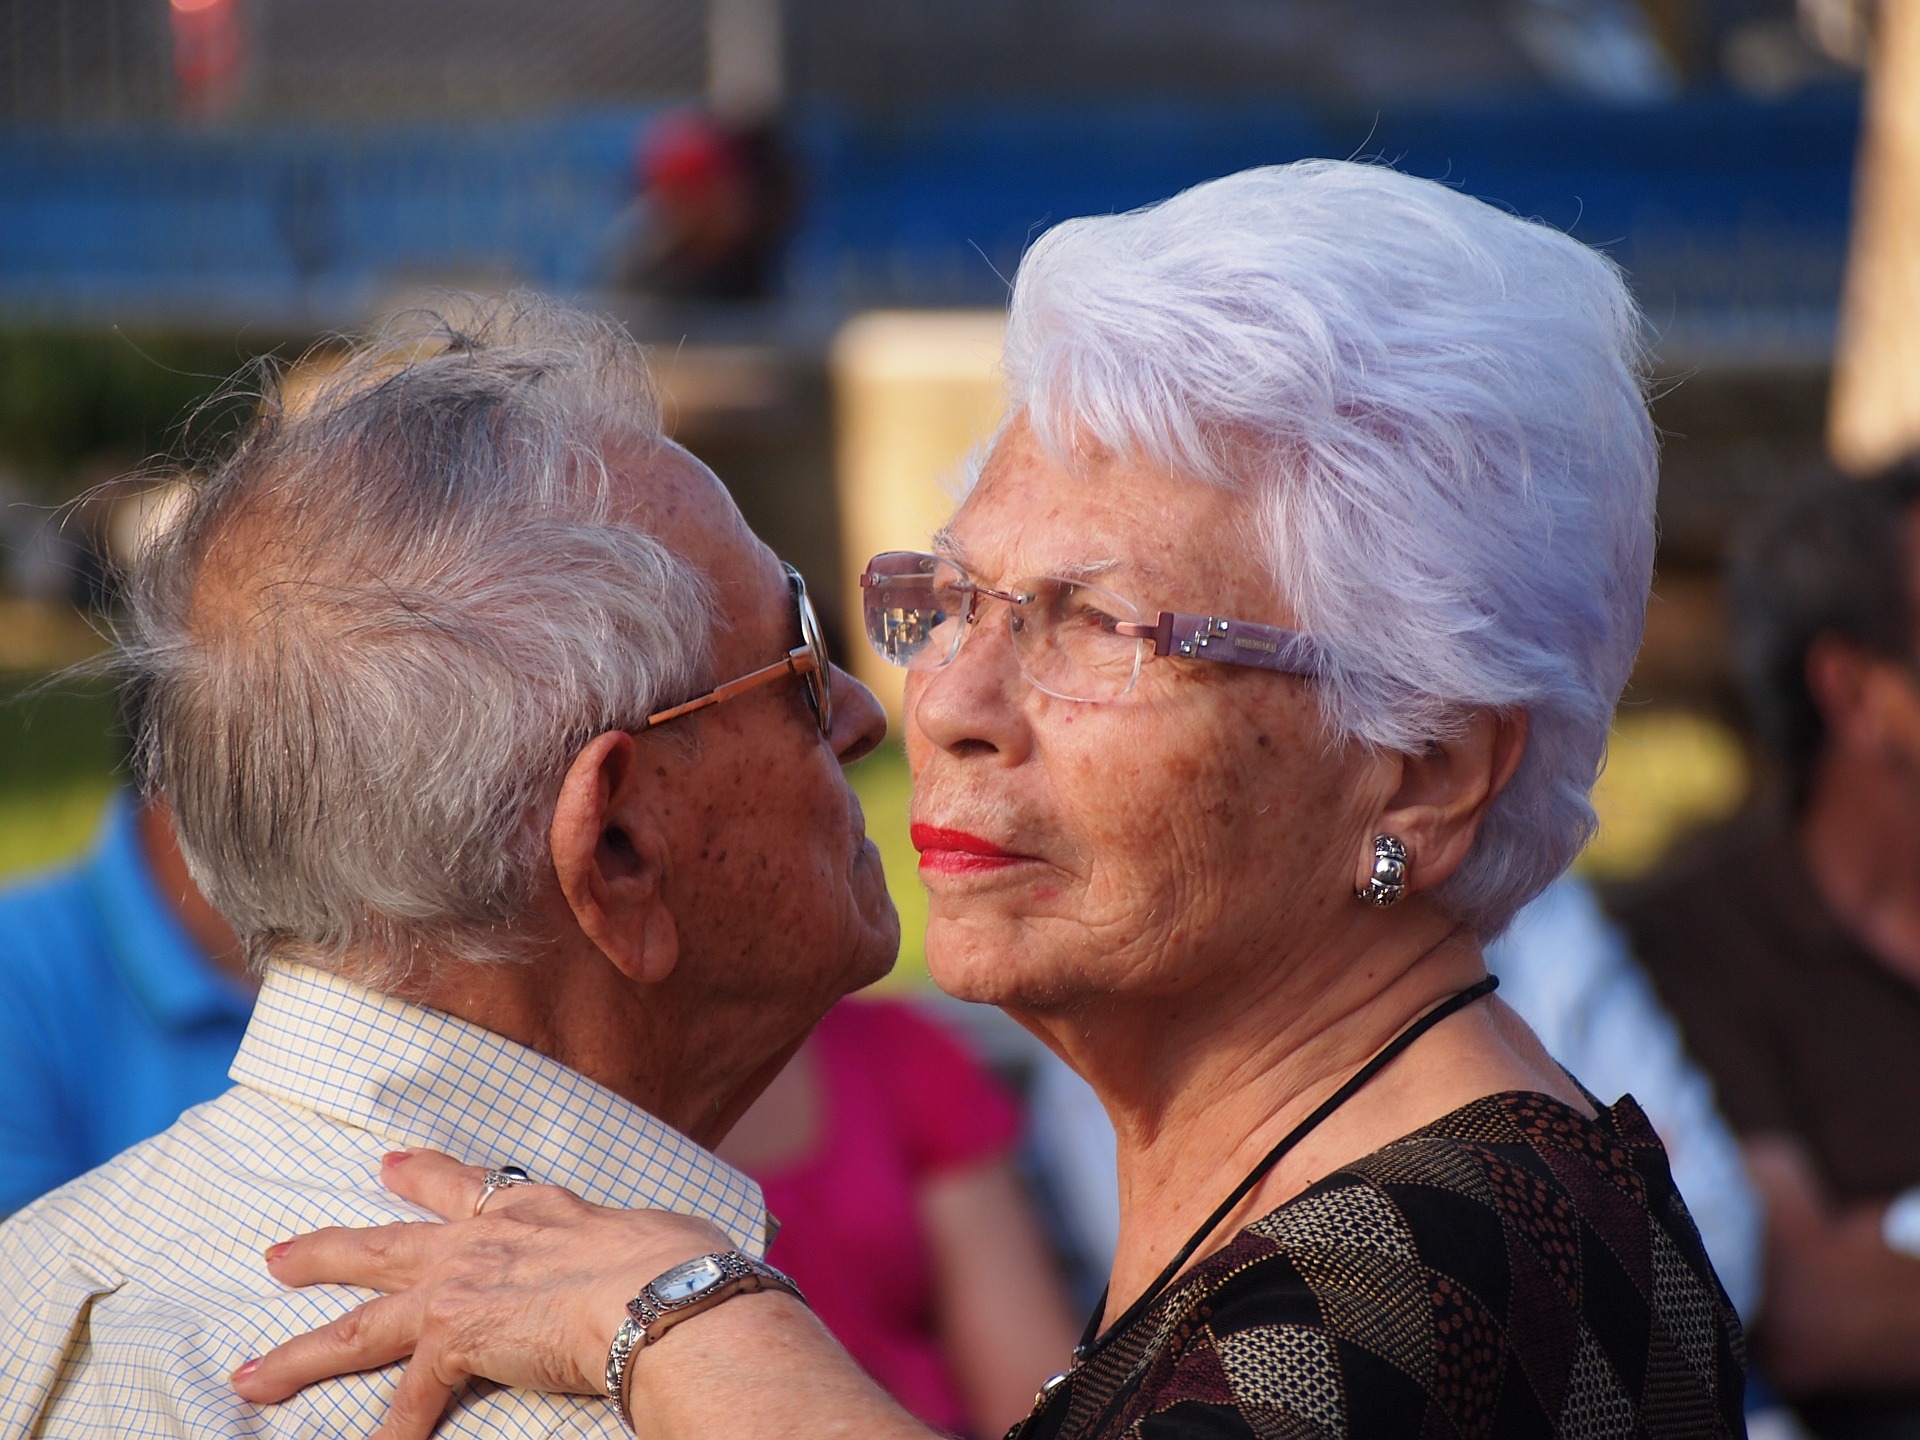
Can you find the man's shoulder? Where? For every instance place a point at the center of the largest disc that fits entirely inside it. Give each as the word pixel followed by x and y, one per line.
pixel 139 1286
pixel 187 1206
pixel 219 1160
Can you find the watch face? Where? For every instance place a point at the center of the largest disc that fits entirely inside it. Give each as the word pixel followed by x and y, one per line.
pixel 689 1281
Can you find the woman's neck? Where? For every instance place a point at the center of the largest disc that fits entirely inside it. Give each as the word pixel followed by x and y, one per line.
pixel 1201 1089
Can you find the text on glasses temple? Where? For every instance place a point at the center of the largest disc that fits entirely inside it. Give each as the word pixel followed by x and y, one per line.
pixel 1231 642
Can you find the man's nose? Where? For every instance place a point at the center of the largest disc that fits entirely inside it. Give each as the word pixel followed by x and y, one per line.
pixel 859 724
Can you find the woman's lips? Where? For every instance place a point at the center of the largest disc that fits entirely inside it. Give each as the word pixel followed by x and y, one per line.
pixel 955 852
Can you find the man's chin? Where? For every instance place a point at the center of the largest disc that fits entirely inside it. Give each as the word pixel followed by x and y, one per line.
pixel 875 961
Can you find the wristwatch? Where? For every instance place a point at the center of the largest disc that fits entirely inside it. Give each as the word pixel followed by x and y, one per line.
pixel 680 1293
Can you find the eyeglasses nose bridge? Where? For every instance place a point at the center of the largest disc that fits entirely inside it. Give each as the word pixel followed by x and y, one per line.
pixel 975 590
pixel 1013 599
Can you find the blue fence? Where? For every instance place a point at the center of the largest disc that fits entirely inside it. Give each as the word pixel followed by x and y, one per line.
pixel 290 224
pixel 1717 206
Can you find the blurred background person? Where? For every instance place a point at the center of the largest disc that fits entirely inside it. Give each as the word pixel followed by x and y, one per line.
pixel 884 1150
pixel 714 210
pixel 1787 943
pixel 123 997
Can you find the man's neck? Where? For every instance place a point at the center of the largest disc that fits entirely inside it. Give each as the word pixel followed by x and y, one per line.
pixel 581 1014
pixel 1862 848
pixel 668 1053
pixel 211 934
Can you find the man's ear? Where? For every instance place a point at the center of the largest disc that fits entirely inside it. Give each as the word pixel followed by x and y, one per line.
pixel 611 857
pixel 1444 794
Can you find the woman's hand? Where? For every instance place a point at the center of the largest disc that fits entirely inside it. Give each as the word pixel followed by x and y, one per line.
pixel 530 1293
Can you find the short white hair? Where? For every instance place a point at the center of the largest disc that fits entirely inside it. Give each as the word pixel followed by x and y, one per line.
pixel 1441 410
pixel 367 651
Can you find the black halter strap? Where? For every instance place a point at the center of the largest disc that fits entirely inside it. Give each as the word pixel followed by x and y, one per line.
pixel 1391 1051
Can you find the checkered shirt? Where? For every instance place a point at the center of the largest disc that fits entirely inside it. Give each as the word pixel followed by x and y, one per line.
pixel 132 1292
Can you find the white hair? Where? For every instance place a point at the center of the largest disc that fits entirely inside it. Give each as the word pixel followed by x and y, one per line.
pixel 1440 409
pixel 367 651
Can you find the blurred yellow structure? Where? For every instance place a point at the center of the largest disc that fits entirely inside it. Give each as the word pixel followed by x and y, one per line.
pixel 916 393
pixel 39 635
pixel 1876 372
pixel 1668 772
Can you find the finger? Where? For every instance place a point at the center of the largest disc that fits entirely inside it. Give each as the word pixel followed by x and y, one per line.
pixel 419 1402
pixel 439 1182
pixel 452 1190
pixel 382 1257
pixel 365 1338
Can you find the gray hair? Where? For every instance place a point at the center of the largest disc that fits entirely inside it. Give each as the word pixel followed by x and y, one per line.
pixel 1441 412
pixel 380 629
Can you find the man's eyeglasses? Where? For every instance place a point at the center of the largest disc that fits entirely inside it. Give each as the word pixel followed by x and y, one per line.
pixel 1073 640
pixel 809 660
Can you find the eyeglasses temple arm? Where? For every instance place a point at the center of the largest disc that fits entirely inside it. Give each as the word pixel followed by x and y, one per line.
pixel 799 661
pixel 1231 642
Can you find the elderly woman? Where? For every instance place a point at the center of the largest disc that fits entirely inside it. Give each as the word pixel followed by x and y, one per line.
pixel 1262 675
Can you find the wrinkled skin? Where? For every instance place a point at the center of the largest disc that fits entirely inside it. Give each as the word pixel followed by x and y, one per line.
pixel 1173 912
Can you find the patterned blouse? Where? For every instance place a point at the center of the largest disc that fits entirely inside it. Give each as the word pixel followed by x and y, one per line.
pixel 1513 1269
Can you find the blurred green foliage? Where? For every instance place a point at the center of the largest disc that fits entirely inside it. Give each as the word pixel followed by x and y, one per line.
pixel 885 787
pixel 68 397
pixel 60 757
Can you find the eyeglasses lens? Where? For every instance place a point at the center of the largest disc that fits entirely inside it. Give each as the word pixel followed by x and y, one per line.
pixel 1066 641
pixel 818 684
pixel 916 608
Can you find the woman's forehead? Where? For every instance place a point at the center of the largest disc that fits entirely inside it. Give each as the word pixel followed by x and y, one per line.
pixel 1028 515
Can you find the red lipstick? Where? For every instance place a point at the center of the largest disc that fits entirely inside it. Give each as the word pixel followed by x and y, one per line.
pixel 955 852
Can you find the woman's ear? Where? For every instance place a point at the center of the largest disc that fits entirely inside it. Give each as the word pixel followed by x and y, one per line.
pixel 1445 792
pixel 610 855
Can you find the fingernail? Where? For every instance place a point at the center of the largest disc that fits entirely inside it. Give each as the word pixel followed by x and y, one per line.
pixel 394 1157
pixel 245 1370
pixel 274 1252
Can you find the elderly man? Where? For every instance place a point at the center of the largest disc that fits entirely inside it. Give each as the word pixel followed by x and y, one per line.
pixel 436 662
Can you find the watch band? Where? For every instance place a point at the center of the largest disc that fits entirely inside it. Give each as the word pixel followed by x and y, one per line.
pixel 651 1314
pixel 624 1341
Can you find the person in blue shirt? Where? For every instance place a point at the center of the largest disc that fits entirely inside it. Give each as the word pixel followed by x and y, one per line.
pixel 123 997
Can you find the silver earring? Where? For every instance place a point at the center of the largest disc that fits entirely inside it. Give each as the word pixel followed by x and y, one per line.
pixel 1388 882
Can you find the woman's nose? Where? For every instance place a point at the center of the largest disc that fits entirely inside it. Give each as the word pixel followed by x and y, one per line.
pixel 971 705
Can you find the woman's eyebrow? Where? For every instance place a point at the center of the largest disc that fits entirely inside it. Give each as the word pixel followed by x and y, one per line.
pixel 946 545
pixel 1084 569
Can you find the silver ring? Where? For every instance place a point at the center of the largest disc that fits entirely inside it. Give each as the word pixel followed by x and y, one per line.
pixel 504 1177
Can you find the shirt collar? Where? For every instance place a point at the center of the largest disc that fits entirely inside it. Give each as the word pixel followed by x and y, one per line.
pixel 148 944
pixel 422 1078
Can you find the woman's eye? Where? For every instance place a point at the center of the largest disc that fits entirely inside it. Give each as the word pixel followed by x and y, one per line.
pixel 1088 612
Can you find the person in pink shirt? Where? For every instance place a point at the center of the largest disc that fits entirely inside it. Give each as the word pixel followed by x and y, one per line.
pixel 883 1150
